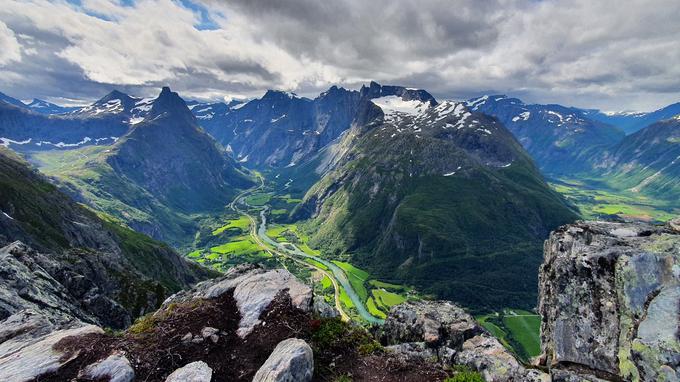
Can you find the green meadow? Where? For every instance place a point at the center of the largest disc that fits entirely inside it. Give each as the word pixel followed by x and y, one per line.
pixel 516 329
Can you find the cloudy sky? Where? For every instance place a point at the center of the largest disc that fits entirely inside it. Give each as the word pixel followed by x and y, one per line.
pixel 611 55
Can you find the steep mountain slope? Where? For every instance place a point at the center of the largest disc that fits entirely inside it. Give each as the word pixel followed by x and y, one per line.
pixel 11 100
pixel 632 122
pixel 98 269
pixel 165 169
pixel 175 160
pixel 647 161
pixel 560 139
pixel 438 196
pixel 281 129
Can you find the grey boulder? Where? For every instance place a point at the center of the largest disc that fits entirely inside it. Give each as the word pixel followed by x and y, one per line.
pixel 198 371
pixel 291 361
pixel 115 368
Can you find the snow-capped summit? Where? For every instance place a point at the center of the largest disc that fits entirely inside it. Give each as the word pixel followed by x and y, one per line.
pixel 45 107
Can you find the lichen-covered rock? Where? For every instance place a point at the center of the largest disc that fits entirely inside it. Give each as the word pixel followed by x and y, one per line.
pixel 610 300
pixel 486 355
pixel 437 323
pixel 420 351
pixel 558 375
pixel 323 309
pixel 28 358
pixel 254 289
pixel 114 368
pixel 291 361
pixel 439 331
pixel 198 371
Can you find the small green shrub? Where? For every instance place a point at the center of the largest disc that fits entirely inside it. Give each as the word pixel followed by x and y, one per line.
pixel 143 324
pixel 463 373
pixel 466 376
pixel 370 347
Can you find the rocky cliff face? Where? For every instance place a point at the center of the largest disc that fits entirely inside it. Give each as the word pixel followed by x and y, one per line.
pixel 281 129
pixel 610 301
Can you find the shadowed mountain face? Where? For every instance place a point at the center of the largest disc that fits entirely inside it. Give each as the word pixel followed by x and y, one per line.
pixel 175 160
pixel 436 195
pixel 280 129
pixel 646 162
pixel 560 139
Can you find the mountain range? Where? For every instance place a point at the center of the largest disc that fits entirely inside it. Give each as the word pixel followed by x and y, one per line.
pixel 413 189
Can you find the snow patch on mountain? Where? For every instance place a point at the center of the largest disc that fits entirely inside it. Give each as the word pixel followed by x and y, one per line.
pixel 476 103
pixel 274 120
pixel 112 106
pixel 524 116
pixel 6 142
pixel 143 105
pixel 392 106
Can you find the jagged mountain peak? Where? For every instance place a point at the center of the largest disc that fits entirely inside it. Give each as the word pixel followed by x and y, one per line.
pixel 282 95
pixel 375 90
pixel 115 95
pixel 11 100
pixel 171 104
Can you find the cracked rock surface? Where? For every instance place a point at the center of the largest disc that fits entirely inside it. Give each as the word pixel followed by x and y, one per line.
pixel 610 301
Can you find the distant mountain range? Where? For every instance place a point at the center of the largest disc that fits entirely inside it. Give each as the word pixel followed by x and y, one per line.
pixel 646 162
pixel 575 142
pixel 38 105
pixel 631 122
pixel 560 139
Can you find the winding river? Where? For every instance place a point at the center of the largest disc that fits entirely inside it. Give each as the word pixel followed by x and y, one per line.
pixel 340 276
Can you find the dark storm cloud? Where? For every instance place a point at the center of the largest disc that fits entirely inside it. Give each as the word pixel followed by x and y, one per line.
pixel 592 54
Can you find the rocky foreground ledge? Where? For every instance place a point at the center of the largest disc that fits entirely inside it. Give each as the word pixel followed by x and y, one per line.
pixel 609 299
pixel 610 302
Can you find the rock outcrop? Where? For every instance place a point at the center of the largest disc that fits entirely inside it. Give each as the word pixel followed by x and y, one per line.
pixel 254 289
pixel 198 371
pixel 486 355
pixel 442 331
pixel 291 361
pixel 222 329
pixel 114 368
pixel 610 302
pixel 27 357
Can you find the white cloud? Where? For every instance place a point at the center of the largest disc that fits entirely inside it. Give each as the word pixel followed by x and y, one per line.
pixel 594 54
pixel 10 49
